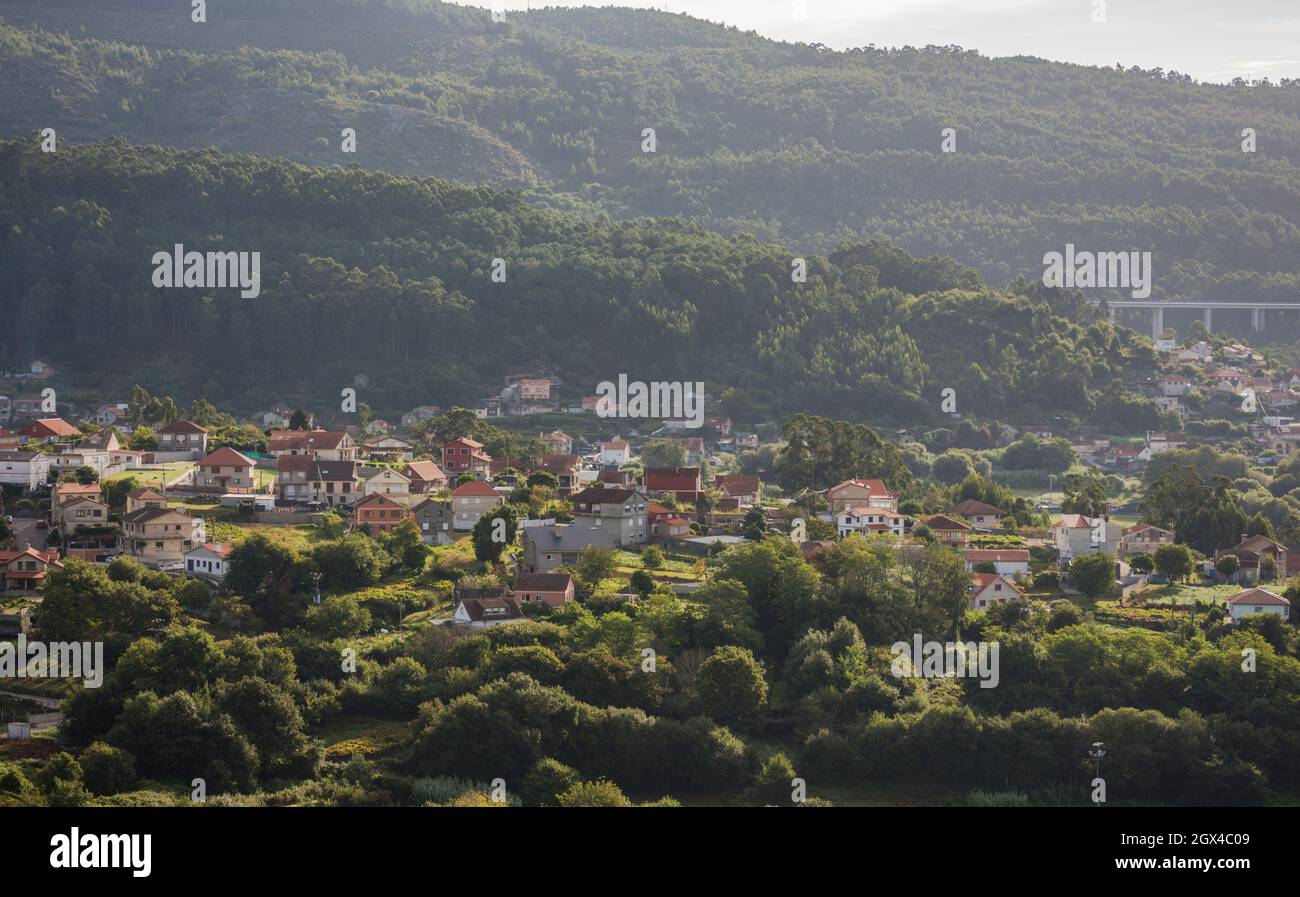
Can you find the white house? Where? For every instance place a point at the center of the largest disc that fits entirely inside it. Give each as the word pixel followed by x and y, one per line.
pixel 615 453
pixel 26 469
pixel 1252 602
pixel 1005 561
pixel 1077 535
pixel 869 521
pixel 209 560
pixel 989 588
pixel 385 481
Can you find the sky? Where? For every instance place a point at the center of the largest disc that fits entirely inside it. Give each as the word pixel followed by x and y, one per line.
pixel 1211 40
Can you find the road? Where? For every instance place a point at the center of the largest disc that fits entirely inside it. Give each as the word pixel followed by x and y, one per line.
pixel 25 531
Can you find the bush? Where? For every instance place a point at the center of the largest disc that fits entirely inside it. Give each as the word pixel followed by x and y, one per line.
pixel 546 781
pixel 108 770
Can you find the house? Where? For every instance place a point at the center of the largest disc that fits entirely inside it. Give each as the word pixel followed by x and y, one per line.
pixel 670 527
pixel 65 458
pixel 379 514
pixel 323 445
pixel 1077 535
pixel 161 536
pixel 183 436
pixel 949 530
pixel 380 426
pixel 1255 555
pixel 419 415
pixel 25 571
pixel 209 560
pixel 110 415
pixel 718 424
pixel 436 521
pixel 622 513
pixel 302 478
pixel 269 420
pixel 564 468
pixel 978 514
pixel 466 455
pixel 26 469
pixel 548 548
pixel 555 589
pixel 743 489
pixel 471 501
pixel 480 613
pixel 226 470
pixel 79 512
pixel 682 482
pixel 425 477
pixel 860 493
pixel 1252 602
pixel 48 430
pixel 104 441
pixel 384 480
pixel 693 451
pixel 557 442
pixel 1143 538
pixel 64 492
pixel 1160 442
pixel 389 448
pixel 988 588
pixel 869 522
pixel 1174 385
pixel 145 497
pixel 1005 561
pixel 9 440
pixel 610 476
pixel 745 441
pixel 615 453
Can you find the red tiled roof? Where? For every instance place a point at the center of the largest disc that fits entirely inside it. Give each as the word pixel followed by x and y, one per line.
pixel 48 427
pixel 1258 596
pixel 475 487
pixel 226 457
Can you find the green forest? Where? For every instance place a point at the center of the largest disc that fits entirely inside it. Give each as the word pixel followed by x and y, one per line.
pixel 367 273
pixel 791 143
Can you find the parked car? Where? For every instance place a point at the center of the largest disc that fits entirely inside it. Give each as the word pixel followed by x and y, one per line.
pixel 41 524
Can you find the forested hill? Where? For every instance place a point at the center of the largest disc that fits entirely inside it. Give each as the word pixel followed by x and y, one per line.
pixel 792 143
pixel 366 273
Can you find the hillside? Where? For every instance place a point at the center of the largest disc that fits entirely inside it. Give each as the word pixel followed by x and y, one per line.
pixel 366 273
pixel 790 143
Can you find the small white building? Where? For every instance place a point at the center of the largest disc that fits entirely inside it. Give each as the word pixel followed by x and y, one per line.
pixel 1252 602
pixel 1005 561
pixel 209 560
pixel 615 453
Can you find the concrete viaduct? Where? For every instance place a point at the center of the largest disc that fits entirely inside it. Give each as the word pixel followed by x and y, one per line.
pixel 1258 308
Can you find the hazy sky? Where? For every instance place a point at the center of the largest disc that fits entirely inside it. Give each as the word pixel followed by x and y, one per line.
pixel 1212 40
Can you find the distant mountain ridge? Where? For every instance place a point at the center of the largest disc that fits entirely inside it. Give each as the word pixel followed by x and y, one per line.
pixel 791 143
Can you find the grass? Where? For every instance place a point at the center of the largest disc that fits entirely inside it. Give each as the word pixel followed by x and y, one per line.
pixel 1184 595
pixel 150 477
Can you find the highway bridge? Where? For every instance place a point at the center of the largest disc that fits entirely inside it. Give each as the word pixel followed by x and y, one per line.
pixel 1258 309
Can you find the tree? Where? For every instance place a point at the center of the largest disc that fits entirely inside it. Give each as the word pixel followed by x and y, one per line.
pixel 1174 561
pixel 85 475
pixel 1093 574
pixel 1227 567
pixel 596 564
pixel 108 770
pixel 652 557
pixel 493 532
pixel 1141 563
pixel 754 526
pixel 731 686
pixel 663 453
pixel 642 583
pixel 407 547
pixel 298 420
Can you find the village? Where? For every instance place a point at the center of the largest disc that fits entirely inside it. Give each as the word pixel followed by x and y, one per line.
pixel 655 501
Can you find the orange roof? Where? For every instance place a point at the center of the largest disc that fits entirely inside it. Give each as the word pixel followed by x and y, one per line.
pixel 47 427
pixel 228 457
pixel 1258 596
pixel 475 487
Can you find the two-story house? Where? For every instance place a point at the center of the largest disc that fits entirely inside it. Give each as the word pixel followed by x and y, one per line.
pixel 226 470
pixel 471 501
pixel 379 514
pixel 860 493
pixel 1144 538
pixel 27 469
pixel 548 548
pixel 425 477
pixel 385 481
pixel 183 436
pixel 466 455
pixel 1077 535
pixel 683 483
pixel 621 512
pixel 565 468
pixel 25 571
pixel 436 521
pixel 869 522
pixel 979 515
pixel 161 536
pixel 323 445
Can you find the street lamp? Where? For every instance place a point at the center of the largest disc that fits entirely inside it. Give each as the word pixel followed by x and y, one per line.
pixel 1096 753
